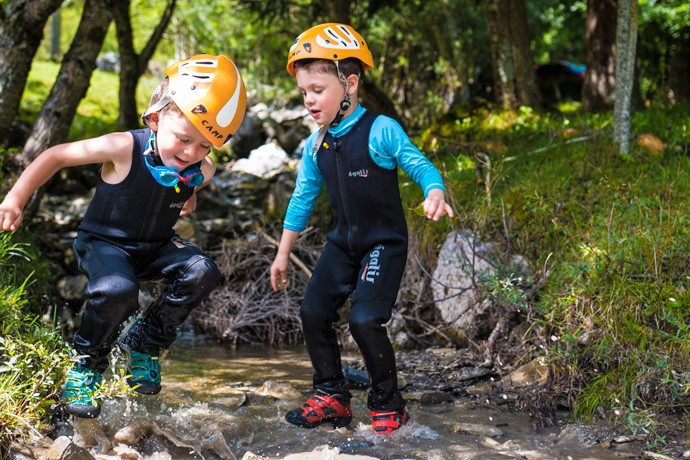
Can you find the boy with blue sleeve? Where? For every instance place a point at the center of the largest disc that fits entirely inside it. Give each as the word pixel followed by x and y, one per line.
pixel 356 154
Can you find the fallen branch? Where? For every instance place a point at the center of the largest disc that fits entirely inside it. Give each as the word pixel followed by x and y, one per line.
pixel 293 257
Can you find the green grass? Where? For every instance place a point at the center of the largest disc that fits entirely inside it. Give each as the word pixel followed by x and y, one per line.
pixel 612 232
pixel 32 356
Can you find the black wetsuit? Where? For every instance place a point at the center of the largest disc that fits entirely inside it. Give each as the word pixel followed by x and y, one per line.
pixel 126 236
pixel 364 257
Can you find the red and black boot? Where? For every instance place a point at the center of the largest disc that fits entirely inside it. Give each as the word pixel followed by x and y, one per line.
pixel 387 422
pixel 321 408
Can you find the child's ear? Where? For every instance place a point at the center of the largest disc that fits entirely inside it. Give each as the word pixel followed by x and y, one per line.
pixel 153 119
pixel 352 84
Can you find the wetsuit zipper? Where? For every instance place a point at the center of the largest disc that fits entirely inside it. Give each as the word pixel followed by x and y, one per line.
pixel 341 187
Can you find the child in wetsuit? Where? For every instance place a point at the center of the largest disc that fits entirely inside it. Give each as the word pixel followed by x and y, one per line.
pixel 148 179
pixel 356 153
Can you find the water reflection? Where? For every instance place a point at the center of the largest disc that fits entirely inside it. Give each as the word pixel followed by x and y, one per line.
pixel 214 406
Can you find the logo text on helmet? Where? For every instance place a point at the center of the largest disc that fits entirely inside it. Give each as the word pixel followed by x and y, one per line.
pixel 211 129
pixel 341 38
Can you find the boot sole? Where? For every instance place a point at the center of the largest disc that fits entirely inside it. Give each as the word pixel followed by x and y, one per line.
pixel 303 423
pixel 143 388
pixel 83 411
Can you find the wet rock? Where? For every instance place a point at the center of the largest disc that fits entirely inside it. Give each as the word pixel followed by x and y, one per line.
pixel 476 429
pixel 326 453
pixel 131 434
pixel 278 390
pixel 437 454
pixel 251 456
pixel 233 401
pixel 655 456
pixel 576 435
pixel 626 439
pixel 480 389
pixel 430 398
pixel 470 373
pixel 88 433
pixel 64 449
pixel 533 373
pixel 356 378
pixel 354 445
pixel 127 453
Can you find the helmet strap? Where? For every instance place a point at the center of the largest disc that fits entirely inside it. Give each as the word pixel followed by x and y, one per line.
pixel 345 103
pixel 151 146
pixel 158 101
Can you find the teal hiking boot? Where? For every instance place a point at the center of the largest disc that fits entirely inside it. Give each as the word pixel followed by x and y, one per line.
pixel 145 372
pixel 79 392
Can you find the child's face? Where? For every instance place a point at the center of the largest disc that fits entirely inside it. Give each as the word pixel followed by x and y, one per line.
pixel 178 141
pixel 322 93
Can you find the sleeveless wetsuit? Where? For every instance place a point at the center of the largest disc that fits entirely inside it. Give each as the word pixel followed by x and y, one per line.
pixel 126 236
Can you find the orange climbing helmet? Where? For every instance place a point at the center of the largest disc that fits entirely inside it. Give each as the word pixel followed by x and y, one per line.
pixel 210 92
pixel 330 41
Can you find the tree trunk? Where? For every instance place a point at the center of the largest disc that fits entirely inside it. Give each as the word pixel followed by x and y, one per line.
pixel 133 65
pixel 456 80
pixel 626 44
pixel 21 30
pixel 679 68
pixel 56 116
pixel 514 76
pixel 600 77
pixel 338 10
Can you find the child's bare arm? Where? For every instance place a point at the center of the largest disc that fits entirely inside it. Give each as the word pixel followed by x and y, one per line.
pixel 111 148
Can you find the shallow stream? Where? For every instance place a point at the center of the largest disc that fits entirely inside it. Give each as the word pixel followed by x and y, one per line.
pixel 215 404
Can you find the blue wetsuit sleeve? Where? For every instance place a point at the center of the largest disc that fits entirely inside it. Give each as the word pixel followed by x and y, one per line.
pixel 390 145
pixel 307 189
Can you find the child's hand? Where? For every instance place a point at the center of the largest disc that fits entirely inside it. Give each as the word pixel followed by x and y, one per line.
pixel 435 206
pixel 279 273
pixel 10 216
pixel 189 206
